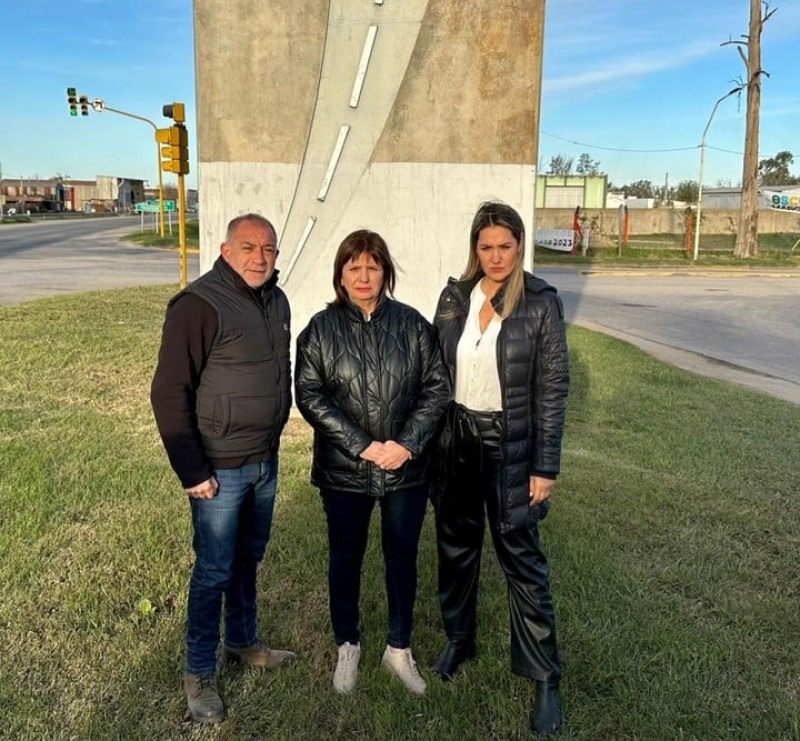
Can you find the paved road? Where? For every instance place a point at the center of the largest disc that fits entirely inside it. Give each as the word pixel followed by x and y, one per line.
pixel 48 258
pixel 743 328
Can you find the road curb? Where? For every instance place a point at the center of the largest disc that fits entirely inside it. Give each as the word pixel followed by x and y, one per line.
pixel 680 273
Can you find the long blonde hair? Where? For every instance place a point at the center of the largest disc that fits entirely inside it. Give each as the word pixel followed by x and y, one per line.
pixel 495 213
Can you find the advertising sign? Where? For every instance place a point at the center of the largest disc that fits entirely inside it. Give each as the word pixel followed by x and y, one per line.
pixel 562 240
pixel 783 200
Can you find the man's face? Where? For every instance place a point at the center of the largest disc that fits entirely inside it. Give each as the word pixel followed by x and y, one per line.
pixel 251 252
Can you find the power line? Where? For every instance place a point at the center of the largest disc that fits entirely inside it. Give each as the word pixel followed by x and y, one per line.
pixel 639 151
pixel 727 151
pixel 615 149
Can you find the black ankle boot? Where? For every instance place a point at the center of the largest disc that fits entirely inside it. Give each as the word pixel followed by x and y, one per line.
pixel 454 655
pixel 546 713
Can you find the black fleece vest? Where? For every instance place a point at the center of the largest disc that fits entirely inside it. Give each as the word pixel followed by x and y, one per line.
pixel 244 394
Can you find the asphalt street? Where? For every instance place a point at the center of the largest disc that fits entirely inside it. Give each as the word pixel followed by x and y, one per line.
pixel 737 325
pixel 49 258
pixel 740 326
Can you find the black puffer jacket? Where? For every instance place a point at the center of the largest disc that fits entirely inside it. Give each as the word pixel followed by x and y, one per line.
pixel 360 381
pixel 534 380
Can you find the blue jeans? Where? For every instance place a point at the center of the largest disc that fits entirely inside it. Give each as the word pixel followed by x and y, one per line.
pixel 402 515
pixel 231 532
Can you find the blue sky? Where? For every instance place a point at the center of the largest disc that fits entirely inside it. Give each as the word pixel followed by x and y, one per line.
pixel 619 76
pixel 638 75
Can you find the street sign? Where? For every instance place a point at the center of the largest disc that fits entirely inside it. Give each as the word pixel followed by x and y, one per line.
pixel 152 207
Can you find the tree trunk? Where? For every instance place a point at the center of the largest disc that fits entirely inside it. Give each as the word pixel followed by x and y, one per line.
pixel 747 236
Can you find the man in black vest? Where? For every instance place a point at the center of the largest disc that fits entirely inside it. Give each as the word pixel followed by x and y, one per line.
pixel 221 397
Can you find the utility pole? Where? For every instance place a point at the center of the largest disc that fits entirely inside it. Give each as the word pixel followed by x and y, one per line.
pixel 735 90
pixel 747 235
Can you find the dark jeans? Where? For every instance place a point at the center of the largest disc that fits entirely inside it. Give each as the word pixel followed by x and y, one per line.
pixel 402 515
pixel 472 489
pixel 231 532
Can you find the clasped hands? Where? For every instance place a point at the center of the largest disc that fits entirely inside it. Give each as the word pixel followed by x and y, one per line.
pixel 388 456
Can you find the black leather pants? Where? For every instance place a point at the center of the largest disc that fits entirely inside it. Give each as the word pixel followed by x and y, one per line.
pixel 473 488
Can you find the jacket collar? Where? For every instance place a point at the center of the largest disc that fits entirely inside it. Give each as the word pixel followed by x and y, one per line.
pixel 464 288
pixel 355 313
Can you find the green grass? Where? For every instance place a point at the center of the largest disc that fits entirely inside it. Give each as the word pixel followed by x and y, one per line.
pixel 170 241
pixel 667 250
pixel 673 541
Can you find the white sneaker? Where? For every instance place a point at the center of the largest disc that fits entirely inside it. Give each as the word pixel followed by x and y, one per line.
pixel 346 674
pixel 401 663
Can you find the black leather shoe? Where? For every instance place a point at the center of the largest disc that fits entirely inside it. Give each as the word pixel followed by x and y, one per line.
pixel 546 713
pixel 454 655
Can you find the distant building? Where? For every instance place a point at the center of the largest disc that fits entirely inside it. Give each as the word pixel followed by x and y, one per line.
pixel 731 198
pixel 615 200
pixel 33 195
pixel 571 191
pixel 106 194
pixel 119 194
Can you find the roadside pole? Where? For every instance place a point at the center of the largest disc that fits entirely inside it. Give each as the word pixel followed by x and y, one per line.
pixel 182 230
pixel 99 105
pixel 174 158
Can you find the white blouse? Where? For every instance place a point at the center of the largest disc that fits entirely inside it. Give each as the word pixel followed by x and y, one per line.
pixel 477 378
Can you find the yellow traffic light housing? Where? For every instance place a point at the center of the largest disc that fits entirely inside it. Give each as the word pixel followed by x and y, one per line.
pixel 72 101
pixel 175 111
pixel 174 149
pixel 84 101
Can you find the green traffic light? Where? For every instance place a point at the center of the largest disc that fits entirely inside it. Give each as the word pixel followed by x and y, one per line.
pixel 73 112
pixel 71 91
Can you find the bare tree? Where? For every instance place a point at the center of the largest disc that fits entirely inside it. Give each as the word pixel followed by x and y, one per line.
pixel 561 164
pixel 747 236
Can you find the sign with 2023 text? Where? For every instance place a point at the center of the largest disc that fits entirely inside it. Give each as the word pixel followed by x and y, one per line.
pixel 562 240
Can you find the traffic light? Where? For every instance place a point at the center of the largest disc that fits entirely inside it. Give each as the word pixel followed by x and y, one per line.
pixel 84 101
pixel 72 100
pixel 175 111
pixel 174 149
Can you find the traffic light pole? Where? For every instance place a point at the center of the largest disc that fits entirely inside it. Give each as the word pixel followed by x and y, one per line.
pixel 175 158
pixel 182 230
pixel 104 107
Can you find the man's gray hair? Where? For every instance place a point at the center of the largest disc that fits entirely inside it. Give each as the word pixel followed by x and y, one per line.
pixel 233 225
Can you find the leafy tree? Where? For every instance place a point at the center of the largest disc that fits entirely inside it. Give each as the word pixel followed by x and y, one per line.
pixel 561 164
pixel 686 190
pixel 639 189
pixel 587 165
pixel 775 170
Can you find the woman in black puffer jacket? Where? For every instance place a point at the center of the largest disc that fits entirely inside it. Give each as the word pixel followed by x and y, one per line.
pixel 503 340
pixel 371 382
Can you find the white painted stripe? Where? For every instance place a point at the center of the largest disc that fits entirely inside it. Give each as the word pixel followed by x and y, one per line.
pixel 298 249
pixel 366 53
pixel 334 161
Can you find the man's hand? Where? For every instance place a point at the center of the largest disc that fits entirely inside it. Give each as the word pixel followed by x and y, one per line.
pixel 206 490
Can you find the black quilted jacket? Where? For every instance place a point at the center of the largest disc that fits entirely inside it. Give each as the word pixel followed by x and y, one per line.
pixel 534 380
pixel 357 381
